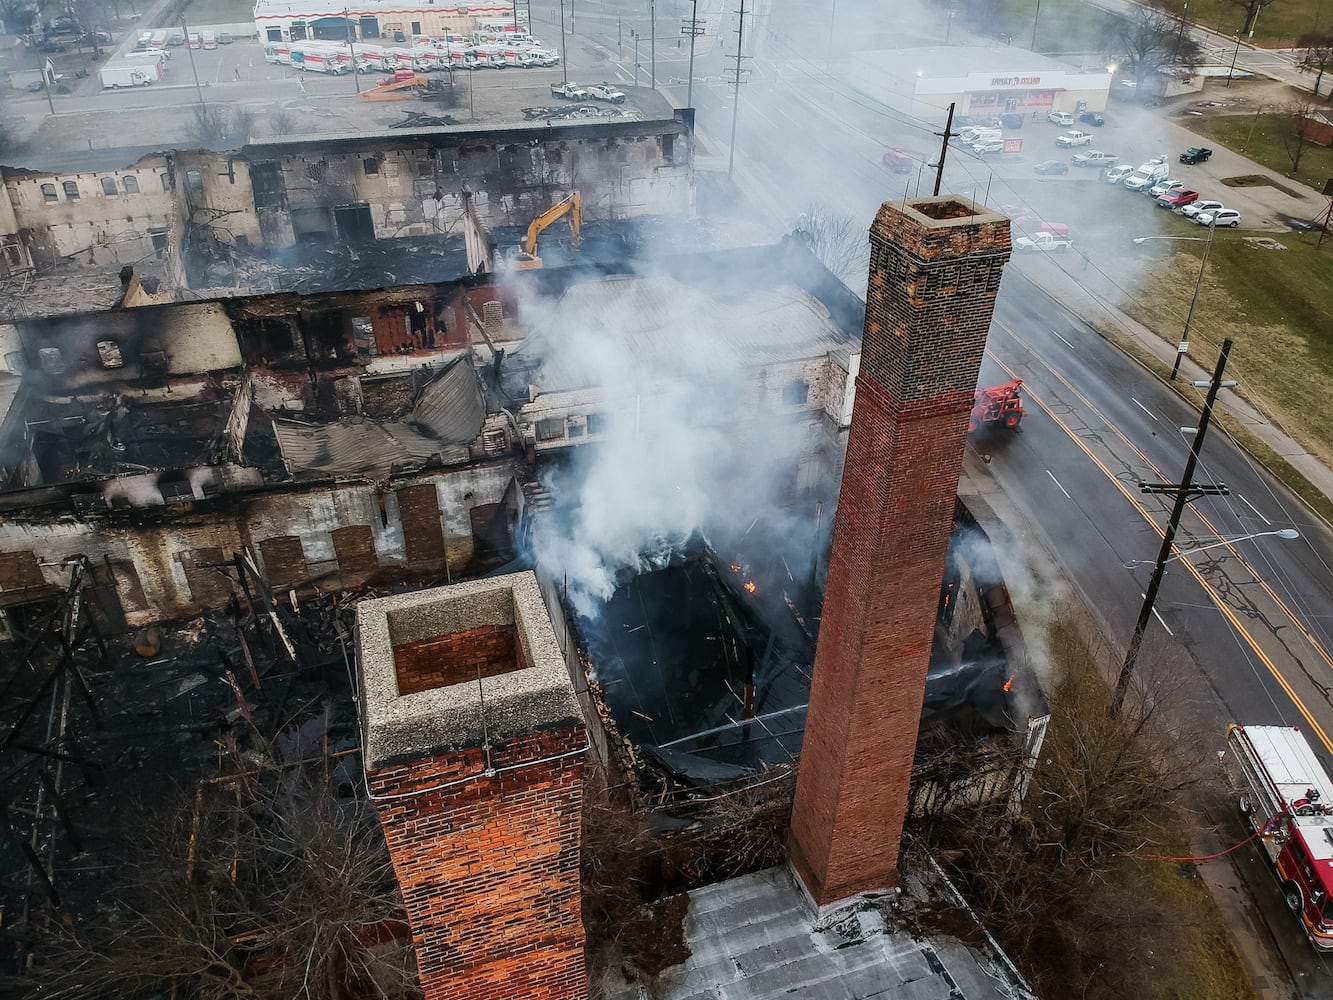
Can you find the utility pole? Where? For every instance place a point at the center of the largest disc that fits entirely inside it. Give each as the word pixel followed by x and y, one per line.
pixel 48 70
pixel 944 148
pixel 356 73
pixel 193 69
pixel 736 87
pixel 1189 317
pixel 693 28
pixel 1035 18
pixel 564 48
pixel 1234 55
pixel 1184 493
pixel 828 49
pixel 636 36
pixel 620 39
pixel 1180 35
pixel 652 42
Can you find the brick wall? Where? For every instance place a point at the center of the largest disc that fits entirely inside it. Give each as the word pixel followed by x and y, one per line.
pixel 489 866
pixel 935 270
pixel 452 659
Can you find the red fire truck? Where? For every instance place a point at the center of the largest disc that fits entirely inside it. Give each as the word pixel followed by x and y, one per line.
pixel 1287 798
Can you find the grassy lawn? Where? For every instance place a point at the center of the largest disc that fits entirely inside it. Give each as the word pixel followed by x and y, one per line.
pixel 219 12
pixel 1270 302
pixel 1062 25
pixel 1279 23
pixel 1265 146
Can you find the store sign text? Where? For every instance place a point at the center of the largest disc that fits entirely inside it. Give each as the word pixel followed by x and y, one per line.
pixel 1015 81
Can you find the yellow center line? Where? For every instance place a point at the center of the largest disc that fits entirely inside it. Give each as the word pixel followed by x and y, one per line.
pixel 1213 594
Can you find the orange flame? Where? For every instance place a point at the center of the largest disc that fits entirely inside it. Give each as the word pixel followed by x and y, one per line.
pixel 1009 683
pixel 750 586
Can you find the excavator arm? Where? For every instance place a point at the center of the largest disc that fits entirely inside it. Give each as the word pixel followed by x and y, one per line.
pixel 571 206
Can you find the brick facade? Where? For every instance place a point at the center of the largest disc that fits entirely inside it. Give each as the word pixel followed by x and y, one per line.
pixel 934 274
pixel 489 867
pixel 478 784
pixel 453 659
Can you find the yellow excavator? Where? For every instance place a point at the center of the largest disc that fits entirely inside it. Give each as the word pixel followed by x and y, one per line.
pixel 527 259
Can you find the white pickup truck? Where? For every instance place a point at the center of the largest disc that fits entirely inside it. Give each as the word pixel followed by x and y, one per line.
pixel 1043 242
pixel 569 91
pixel 1071 139
pixel 605 92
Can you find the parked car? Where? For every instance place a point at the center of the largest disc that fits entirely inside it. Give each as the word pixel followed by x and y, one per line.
pixel 1062 118
pixel 224 38
pixel 36 87
pixel 1044 242
pixel 1195 154
pixel 1178 198
pixel 96 38
pixel 988 146
pixel 1093 158
pixel 1094 118
pixel 50 45
pixel 1051 167
pixel 1163 186
pixel 1118 173
pixel 1011 120
pixel 1071 139
pixel 1190 211
pixel 1219 217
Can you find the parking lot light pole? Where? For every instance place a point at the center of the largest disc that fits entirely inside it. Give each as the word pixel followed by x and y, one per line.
pixel 1189 317
pixel 1183 495
pixel 193 68
pixel 564 48
pixel 356 75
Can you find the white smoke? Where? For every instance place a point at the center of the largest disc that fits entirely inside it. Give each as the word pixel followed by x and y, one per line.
pixel 688 449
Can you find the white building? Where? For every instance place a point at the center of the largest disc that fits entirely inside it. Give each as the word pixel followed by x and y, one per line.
pixel 292 20
pixel 980 81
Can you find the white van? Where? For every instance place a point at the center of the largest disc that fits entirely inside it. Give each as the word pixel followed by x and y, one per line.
pixel 208 39
pixel 159 39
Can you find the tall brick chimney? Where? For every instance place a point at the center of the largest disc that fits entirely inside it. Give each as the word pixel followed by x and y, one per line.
pixel 935 267
pixel 474 747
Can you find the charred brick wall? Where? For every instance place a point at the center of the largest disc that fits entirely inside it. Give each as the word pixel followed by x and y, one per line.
pixel 934 274
pixel 478 786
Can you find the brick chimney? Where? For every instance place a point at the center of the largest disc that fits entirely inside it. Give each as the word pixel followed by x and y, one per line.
pixel 474 747
pixel 935 267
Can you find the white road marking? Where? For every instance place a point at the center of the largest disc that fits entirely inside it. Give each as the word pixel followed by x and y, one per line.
pixel 1063 341
pixel 1057 483
pixel 1142 407
pixel 1159 617
pixel 1255 509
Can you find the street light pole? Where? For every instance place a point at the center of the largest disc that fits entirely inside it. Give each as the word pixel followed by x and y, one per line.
pixel 828 52
pixel 635 35
pixel 193 69
pixel 1183 496
pixel 1234 55
pixel 1286 533
pixel 1189 317
pixel 1035 18
pixel 356 75
pixel 652 42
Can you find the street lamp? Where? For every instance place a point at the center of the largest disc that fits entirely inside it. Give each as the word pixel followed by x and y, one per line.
pixel 1234 54
pixel 948 26
pixel 635 35
pixel 1284 533
pixel 1184 345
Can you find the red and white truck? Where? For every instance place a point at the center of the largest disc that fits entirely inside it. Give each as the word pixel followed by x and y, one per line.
pixel 1287 798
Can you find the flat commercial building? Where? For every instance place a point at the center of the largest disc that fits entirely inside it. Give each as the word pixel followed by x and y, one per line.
pixel 291 20
pixel 978 80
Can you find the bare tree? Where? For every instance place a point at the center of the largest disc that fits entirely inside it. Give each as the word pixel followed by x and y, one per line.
pixel 1252 9
pixel 221 124
pixel 1104 787
pixel 1318 53
pixel 268 886
pixel 1152 40
pixel 1295 138
pixel 17 15
pixel 841 244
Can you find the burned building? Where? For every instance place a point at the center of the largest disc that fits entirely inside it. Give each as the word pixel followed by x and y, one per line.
pixel 660 443
pixel 323 213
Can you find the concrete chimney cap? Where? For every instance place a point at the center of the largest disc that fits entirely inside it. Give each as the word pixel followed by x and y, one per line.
pixel 536 696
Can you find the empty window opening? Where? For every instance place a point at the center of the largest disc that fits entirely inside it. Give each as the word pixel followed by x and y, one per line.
pixel 371 166
pixel 109 186
pixel 71 190
pixel 131 184
pixel 49 192
pixel 551 429
pixel 796 393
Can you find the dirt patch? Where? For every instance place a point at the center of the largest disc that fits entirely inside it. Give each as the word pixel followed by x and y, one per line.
pixel 1258 180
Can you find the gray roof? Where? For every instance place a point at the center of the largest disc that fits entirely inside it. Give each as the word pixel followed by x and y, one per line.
pixel 756 937
pixel 447 416
pixel 657 326
pixel 951 61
